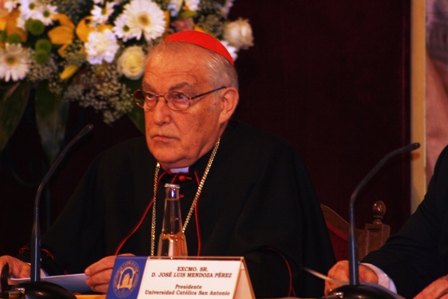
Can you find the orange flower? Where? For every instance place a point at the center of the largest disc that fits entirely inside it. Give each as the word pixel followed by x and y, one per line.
pixel 63 34
pixel 9 23
pixel 68 72
pixel 84 28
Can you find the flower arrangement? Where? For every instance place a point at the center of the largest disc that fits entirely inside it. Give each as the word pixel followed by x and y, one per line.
pixel 92 52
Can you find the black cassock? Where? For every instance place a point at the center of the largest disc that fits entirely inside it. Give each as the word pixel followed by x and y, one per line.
pixel 257 202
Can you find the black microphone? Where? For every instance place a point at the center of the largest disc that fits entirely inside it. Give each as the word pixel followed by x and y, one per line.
pixel 36 288
pixel 354 289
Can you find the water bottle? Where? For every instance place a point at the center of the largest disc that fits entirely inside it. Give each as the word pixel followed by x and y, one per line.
pixel 172 241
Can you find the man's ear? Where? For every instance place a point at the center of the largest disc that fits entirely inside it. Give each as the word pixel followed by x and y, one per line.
pixel 229 102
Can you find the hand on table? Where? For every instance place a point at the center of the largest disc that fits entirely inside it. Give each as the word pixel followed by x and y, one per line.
pixel 340 272
pixel 17 268
pixel 99 273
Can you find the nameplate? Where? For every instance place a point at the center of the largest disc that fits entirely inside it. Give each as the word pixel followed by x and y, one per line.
pixel 189 277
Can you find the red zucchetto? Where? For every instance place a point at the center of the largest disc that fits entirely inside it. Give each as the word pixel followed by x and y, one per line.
pixel 201 39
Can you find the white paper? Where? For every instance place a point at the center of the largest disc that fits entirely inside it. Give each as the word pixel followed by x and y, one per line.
pixel 73 282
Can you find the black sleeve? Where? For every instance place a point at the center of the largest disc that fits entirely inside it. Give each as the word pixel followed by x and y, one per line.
pixel 418 254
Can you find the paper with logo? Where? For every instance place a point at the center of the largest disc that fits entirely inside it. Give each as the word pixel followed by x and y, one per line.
pixel 150 278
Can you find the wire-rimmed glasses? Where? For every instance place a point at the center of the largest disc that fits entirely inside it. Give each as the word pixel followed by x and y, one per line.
pixel 175 100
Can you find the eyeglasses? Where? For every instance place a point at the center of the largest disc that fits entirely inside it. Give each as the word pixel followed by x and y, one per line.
pixel 175 100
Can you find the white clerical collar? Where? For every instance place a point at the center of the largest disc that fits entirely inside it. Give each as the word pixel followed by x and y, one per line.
pixel 179 170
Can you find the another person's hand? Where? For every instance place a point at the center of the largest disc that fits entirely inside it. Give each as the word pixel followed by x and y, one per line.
pixel 438 289
pixel 17 268
pixel 99 274
pixel 340 273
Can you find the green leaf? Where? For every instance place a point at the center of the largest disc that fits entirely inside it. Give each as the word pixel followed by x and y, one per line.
pixel 51 119
pixel 13 101
pixel 138 119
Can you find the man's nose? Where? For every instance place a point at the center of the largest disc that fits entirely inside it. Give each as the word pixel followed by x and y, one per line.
pixel 161 112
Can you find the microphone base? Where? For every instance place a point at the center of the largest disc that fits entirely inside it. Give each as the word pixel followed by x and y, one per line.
pixel 44 290
pixel 363 291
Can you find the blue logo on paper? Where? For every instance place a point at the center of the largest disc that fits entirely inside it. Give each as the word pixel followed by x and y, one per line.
pixel 126 277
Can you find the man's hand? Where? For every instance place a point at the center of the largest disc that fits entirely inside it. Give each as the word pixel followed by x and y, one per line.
pixel 99 274
pixel 340 272
pixel 17 268
pixel 438 289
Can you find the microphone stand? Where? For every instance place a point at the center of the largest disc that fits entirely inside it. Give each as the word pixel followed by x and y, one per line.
pixel 355 289
pixel 36 288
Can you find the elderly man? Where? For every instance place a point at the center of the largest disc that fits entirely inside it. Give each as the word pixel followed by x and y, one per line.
pixel 243 193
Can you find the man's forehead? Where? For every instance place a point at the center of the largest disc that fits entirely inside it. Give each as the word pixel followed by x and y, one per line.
pixel 175 70
pixel 162 79
pixel 174 61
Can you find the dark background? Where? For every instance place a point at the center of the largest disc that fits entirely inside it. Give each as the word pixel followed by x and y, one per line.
pixel 331 77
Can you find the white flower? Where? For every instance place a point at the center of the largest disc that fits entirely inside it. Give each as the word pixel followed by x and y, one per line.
pixel 239 34
pixel 14 62
pixel 132 62
pixel 232 50
pixel 142 17
pixel 100 15
pixel 121 29
pixel 48 11
pixel 226 8
pixel 101 46
pixel 192 5
pixel 37 10
pixel 30 9
pixel 9 5
pixel 174 7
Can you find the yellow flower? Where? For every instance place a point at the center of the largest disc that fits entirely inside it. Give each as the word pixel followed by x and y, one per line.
pixel 3 10
pixel 166 14
pixel 199 28
pixel 103 27
pixel 84 28
pixel 68 72
pixel 9 23
pixel 3 21
pixel 62 34
pixel 132 62
pixel 64 20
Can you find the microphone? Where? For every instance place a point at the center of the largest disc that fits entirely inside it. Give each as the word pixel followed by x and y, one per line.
pixel 354 289
pixel 36 288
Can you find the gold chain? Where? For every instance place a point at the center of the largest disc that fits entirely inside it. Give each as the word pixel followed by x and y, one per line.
pixel 193 204
pixel 153 224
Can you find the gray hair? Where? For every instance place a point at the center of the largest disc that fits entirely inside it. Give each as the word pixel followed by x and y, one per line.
pixel 222 73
